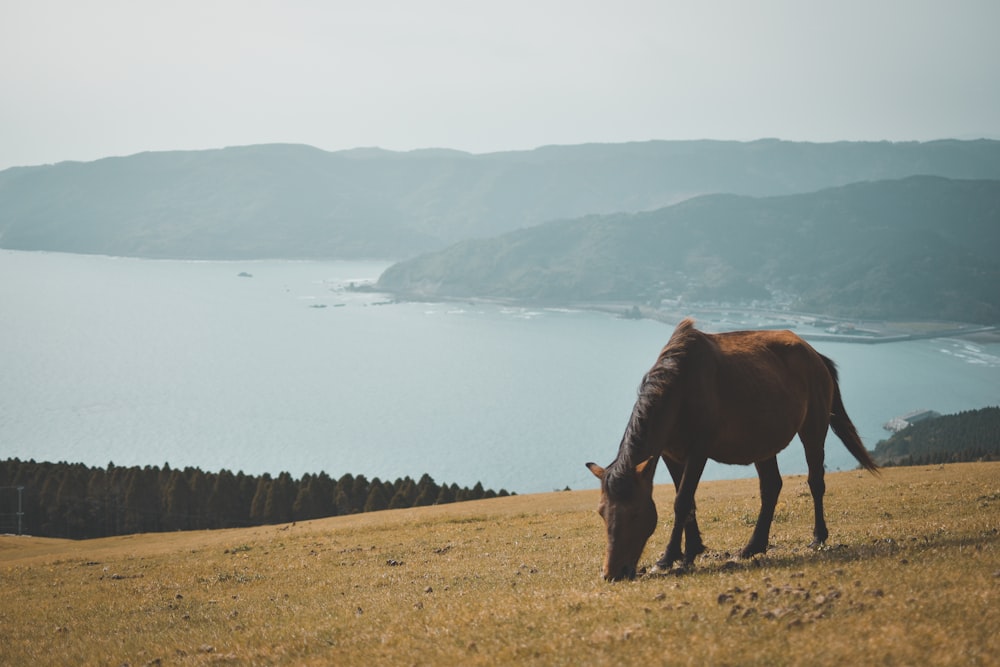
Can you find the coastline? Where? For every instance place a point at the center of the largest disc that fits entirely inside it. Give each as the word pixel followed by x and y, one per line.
pixel 814 327
pixel 713 318
pixel 810 326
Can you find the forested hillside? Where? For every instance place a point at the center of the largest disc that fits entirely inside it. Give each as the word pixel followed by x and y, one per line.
pixel 973 435
pixel 77 501
pixel 289 201
pixel 921 247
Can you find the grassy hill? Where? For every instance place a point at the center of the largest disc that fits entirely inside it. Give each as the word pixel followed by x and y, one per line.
pixel 290 201
pixel 909 577
pixel 921 247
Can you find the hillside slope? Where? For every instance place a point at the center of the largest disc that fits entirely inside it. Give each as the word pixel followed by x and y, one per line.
pixel 290 201
pixel 920 247
pixel 908 575
pixel 967 436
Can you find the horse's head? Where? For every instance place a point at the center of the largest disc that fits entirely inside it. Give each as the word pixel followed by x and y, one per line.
pixel 629 513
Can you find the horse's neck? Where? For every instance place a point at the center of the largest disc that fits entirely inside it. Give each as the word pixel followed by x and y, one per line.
pixel 640 444
pixel 649 431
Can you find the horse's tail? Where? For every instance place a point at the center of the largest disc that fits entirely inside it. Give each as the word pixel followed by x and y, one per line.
pixel 844 427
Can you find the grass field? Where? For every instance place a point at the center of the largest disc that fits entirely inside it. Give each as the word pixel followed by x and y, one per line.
pixel 910 576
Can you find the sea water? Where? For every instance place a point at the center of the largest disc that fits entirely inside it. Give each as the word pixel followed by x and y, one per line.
pixel 269 366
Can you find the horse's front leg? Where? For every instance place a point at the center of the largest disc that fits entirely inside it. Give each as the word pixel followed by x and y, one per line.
pixel 770 488
pixel 684 519
pixel 692 535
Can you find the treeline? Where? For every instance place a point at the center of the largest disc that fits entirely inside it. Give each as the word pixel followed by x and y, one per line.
pixel 72 500
pixel 973 435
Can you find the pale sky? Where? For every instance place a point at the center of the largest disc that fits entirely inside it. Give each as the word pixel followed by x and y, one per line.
pixel 85 79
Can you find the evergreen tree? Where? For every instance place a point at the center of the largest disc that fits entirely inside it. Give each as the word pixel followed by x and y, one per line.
pixel 71 503
pixel 445 495
pixel 48 506
pixel 248 488
pixel 323 492
pixel 117 484
pixel 201 485
pixel 376 499
pixel 280 498
pixel 142 501
pixel 223 508
pixel 427 491
pixel 359 493
pixel 305 505
pixel 100 509
pixel 405 496
pixel 259 502
pixel 315 497
pixel 178 503
pixel 342 494
pixel 342 501
pixel 388 490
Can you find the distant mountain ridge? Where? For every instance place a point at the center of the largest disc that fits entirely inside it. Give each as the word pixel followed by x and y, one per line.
pixel 294 201
pixel 922 247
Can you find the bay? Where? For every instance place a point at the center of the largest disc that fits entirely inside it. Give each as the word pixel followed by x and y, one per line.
pixel 286 368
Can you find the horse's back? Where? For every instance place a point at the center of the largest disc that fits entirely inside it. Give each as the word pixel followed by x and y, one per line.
pixel 765 387
pixel 771 357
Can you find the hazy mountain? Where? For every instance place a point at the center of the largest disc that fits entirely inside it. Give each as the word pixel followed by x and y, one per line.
pixel 297 201
pixel 923 247
pixel 268 201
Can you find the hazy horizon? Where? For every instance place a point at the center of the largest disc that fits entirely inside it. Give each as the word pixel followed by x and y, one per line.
pixel 110 78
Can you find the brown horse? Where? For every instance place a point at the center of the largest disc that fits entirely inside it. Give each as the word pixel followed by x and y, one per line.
pixel 737 397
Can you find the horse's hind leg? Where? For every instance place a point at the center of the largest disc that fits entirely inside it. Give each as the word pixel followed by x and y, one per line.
pixel 692 535
pixel 770 488
pixel 817 485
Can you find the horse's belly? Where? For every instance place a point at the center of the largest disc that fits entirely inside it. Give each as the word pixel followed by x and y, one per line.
pixel 744 457
pixel 745 449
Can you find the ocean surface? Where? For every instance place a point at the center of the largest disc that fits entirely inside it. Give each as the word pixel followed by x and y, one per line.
pixel 138 362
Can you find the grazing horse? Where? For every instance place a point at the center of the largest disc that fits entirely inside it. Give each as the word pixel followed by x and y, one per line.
pixel 738 398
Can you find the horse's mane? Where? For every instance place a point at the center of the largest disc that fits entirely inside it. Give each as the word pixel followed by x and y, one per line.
pixel 653 389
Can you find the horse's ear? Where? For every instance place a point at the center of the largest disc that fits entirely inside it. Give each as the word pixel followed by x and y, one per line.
pixel 644 471
pixel 597 470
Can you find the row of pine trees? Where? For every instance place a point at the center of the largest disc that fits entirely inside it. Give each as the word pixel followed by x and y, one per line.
pixel 72 500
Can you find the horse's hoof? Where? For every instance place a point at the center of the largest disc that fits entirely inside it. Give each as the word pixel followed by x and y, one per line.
pixel 666 563
pixel 693 553
pixel 669 557
pixel 751 551
pixel 663 565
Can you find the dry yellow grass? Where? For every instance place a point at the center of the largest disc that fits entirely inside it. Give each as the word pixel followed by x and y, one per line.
pixel 910 576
